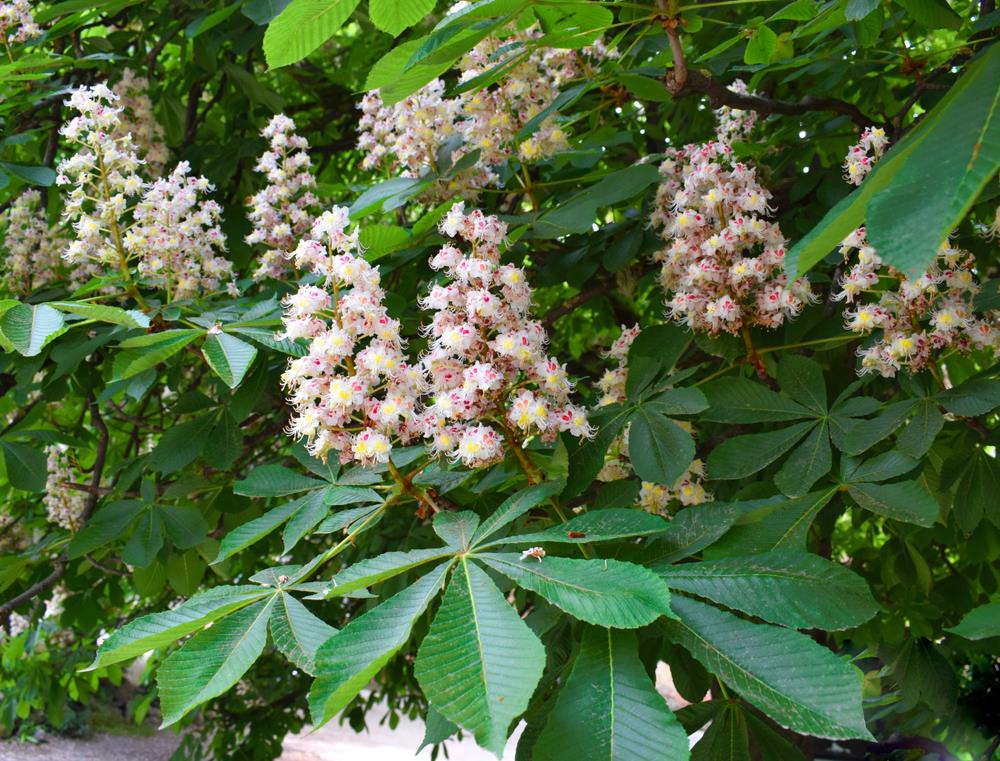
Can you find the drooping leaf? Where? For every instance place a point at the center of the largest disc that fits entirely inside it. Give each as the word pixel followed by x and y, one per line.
pixel 609 709
pixel 791 588
pixel 302 27
pixel 29 327
pixel 298 633
pixel 962 121
pixel 158 629
pixel 27 468
pixel 228 356
pixel 799 684
pixel 464 664
pixel 213 661
pixel 979 623
pixel 393 16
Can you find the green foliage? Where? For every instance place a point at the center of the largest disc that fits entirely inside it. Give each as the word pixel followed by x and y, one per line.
pixel 815 549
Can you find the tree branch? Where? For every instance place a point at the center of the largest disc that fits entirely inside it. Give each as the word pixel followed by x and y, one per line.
pixel 681 81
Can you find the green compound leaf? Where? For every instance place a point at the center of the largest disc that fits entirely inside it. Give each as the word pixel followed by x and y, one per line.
pixel 29 328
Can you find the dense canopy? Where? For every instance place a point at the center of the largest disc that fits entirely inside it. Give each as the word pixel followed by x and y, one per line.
pixel 466 363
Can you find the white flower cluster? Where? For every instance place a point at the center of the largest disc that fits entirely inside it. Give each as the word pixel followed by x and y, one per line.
pixel 173 236
pixel 407 137
pixel 735 124
pixel 354 389
pixel 34 250
pixel 177 240
pixel 486 356
pixel 16 22
pixel 63 504
pixel 355 392
pixel 284 210
pixel 917 316
pixel 137 119
pixel 17 624
pixel 861 156
pixel 723 266
pixel 688 489
pixel 104 176
pixel 612 383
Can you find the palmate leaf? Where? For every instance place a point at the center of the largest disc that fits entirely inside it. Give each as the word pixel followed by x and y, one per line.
pixel 147 351
pixel 609 709
pixel 347 661
pixel 456 529
pixel 810 461
pixel 253 531
pixel 158 629
pixel 790 588
pixel 799 684
pixel 905 224
pixel 479 663
pixel 965 110
pixel 601 592
pixel 275 481
pixel 738 400
pixel 691 530
pixel 297 633
pixel 213 661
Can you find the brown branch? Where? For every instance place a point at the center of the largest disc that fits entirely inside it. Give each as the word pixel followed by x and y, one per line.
pixel 572 303
pixel 58 568
pixel 682 81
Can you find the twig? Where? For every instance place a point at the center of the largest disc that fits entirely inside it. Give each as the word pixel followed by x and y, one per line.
pixel 682 81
